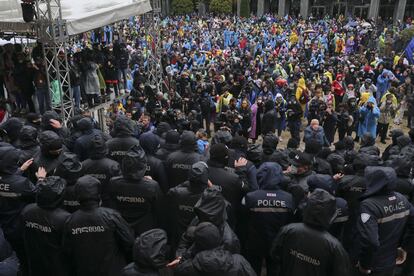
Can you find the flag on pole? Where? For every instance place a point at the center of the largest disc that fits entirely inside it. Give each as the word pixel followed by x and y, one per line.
pixel 409 51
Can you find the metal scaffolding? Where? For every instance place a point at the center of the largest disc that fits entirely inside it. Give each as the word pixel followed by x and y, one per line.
pixel 52 34
pixel 151 24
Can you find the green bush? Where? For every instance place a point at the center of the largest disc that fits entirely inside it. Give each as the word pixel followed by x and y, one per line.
pixel 407 35
pixel 221 6
pixel 182 6
pixel 244 8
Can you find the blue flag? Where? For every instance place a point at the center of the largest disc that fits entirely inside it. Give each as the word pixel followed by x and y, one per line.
pixel 409 51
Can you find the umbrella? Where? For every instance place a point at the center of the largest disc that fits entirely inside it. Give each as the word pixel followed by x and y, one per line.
pixel 366 25
pixel 351 24
pixel 309 31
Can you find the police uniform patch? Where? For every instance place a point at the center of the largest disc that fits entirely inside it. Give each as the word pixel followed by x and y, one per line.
pixel 365 217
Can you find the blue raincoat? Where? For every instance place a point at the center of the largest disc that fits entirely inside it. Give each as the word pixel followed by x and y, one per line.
pixel 368 119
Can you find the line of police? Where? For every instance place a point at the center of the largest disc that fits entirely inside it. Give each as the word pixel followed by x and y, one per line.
pixel 277 206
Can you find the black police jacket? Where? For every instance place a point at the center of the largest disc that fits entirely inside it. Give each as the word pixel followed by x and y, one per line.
pixel 234 184
pixel 138 201
pixel 307 248
pixel 216 262
pixel 300 249
pixel 97 239
pixel 16 192
pixel 156 169
pixel 182 200
pixel 383 221
pixel 102 169
pixel 119 146
pixel 179 164
pixel 150 255
pixel 269 210
pixel 43 233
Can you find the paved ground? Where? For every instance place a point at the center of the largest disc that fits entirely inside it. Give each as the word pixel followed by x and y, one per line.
pixel 286 136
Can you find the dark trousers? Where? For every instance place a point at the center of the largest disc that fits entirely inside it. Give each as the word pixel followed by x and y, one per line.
pixel 341 133
pixel 1 87
pixel 294 128
pixel 382 130
pixel 27 99
pixel 206 117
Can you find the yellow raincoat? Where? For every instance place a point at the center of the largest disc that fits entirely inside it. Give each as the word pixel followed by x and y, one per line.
pixel 300 90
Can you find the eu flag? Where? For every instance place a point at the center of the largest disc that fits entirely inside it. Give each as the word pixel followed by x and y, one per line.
pixel 409 51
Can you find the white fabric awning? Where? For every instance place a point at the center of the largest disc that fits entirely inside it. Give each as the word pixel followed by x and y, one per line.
pixel 83 15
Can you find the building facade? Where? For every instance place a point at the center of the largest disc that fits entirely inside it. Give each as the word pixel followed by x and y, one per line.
pixel 386 9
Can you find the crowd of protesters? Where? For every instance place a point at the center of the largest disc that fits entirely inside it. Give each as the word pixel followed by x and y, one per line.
pixel 191 179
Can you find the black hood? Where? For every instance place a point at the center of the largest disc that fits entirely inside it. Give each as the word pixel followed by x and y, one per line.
pixel 33 119
pixel 215 262
pixel 162 129
pixel 98 148
pixel 222 136
pixel 12 128
pixel 367 140
pixel 206 236
pixel 73 121
pixel 349 143
pixel 337 162
pixel 46 117
pixel 172 137
pixel 269 176
pixel 198 175
pixel 254 153
pixel 269 143
pixel 28 137
pixel 88 188
pixel 85 125
pixel 313 147
pixel 211 207
pixel 320 209
pixel 69 167
pixel 188 141
pixel 150 249
pixel 402 165
pixel 219 154
pixel 50 141
pixel 239 143
pixel 395 133
pixel 321 181
pixel 50 192
pixel 9 157
pixel 363 160
pixel 380 180
pixel 403 141
pixel 134 163
pixel 149 142
pixel 123 127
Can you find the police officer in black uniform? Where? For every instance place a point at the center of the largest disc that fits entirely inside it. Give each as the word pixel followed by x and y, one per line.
pixel 134 195
pixel 269 208
pixel 96 239
pixel 43 229
pixel 100 166
pixel 307 248
pixel 123 138
pixel 385 225
pixel 183 198
pixel 16 191
pixel 155 168
pixel 179 163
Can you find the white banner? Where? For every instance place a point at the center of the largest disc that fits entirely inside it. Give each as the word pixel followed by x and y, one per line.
pixel 83 15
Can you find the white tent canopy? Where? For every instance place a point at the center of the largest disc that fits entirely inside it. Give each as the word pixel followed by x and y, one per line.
pixel 83 15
